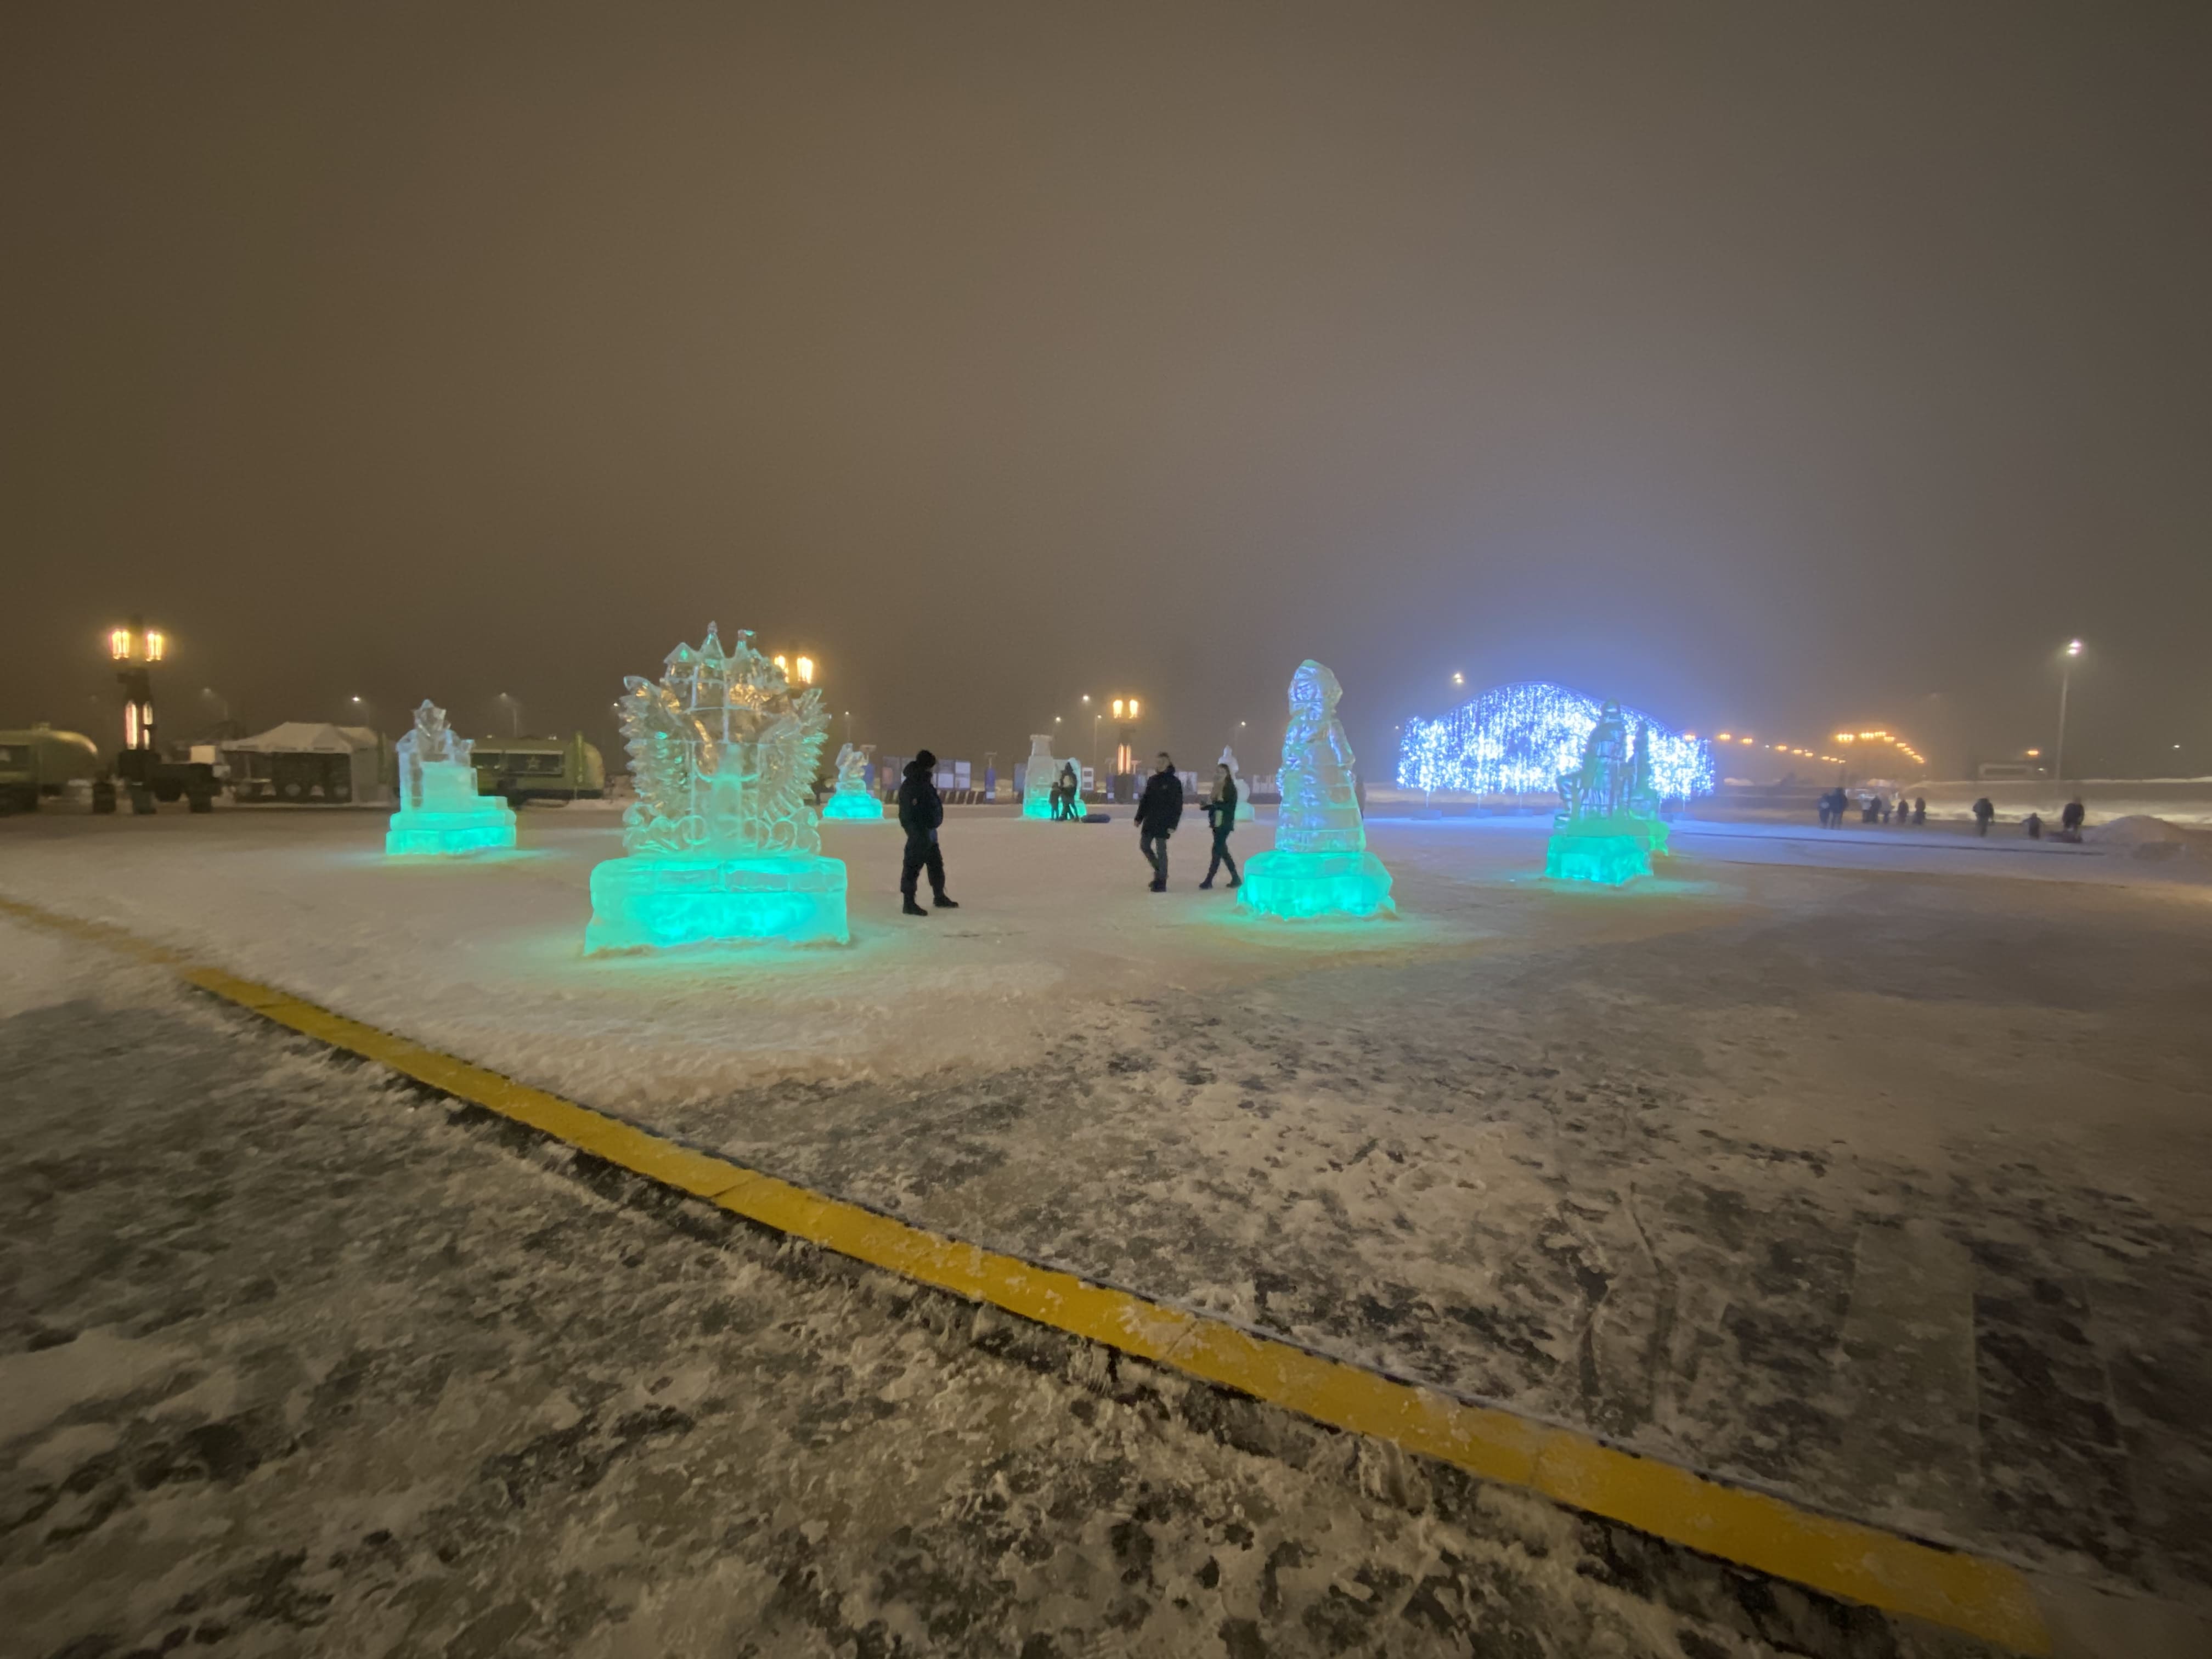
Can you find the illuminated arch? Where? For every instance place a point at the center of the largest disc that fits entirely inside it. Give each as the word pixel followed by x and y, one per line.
pixel 1516 739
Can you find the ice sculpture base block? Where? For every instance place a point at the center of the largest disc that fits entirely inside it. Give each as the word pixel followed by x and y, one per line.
pixel 858 809
pixel 1607 851
pixel 658 903
pixel 1299 885
pixel 488 828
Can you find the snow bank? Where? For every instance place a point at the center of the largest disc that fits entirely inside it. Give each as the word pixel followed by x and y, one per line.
pixel 2141 836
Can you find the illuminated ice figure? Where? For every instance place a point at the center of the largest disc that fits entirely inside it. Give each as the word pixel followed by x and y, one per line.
pixel 1246 812
pixel 721 842
pixel 852 798
pixel 1517 739
pixel 1042 774
pixel 1608 825
pixel 441 815
pixel 1319 865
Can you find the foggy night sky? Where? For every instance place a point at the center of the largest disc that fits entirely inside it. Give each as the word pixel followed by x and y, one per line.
pixel 1770 367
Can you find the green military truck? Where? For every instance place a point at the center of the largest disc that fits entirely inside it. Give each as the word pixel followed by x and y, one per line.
pixel 520 769
pixel 41 763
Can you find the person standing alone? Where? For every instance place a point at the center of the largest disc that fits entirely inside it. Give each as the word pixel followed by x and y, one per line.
pixel 922 810
pixel 1157 813
pixel 1221 816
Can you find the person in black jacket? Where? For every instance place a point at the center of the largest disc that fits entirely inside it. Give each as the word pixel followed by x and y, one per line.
pixel 1157 813
pixel 921 811
pixel 1071 793
pixel 1221 816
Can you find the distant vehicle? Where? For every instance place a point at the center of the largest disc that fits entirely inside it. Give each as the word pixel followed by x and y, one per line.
pixel 41 763
pixel 521 769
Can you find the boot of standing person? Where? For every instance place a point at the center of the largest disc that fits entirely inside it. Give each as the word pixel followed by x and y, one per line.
pixel 1221 816
pixel 921 813
pixel 1158 811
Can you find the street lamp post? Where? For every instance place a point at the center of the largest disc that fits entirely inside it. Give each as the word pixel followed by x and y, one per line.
pixel 2065 679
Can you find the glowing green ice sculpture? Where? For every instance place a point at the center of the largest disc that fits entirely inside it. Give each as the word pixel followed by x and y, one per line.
pixel 853 799
pixel 441 815
pixel 1609 826
pixel 1320 865
pixel 722 845
pixel 1038 780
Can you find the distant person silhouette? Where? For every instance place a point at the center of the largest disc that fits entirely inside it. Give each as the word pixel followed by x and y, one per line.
pixel 921 811
pixel 1983 813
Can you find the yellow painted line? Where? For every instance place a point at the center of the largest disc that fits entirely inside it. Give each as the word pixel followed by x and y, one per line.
pixel 1984 1598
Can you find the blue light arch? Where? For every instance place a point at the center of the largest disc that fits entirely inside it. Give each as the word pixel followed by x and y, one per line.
pixel 1516 739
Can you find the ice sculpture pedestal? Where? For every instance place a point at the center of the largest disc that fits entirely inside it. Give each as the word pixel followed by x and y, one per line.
pixel 451 820
pixel 659 901
pixel 1299 885
pixel 856 806
pixel 1607 851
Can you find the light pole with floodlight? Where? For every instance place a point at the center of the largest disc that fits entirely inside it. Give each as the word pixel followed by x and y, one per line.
pixel 2065 678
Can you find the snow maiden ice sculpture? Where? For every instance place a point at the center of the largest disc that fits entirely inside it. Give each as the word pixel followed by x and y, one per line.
pixel 1320 865
pixel 853 799
pixel 1609 825
pixel 440 814
pixel 721 842
pixel 1042 774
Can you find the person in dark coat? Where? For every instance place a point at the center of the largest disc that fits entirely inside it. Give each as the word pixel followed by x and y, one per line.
pixel 2034 826
pixel 1221 816
pixel 922 810
pixel 1919 811
pixel 2070 817
pixel 1158 812
pixel 1071 791
pixel 1983 813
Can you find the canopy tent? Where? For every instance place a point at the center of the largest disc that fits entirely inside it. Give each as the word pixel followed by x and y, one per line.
pixel 301 760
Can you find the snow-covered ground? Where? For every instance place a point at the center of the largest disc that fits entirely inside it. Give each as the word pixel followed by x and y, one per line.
pixel 1873 1166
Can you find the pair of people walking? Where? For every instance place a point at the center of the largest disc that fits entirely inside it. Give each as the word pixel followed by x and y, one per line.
pixel 1159 810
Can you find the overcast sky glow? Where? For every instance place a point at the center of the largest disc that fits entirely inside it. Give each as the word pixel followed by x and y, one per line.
pixel 1777 367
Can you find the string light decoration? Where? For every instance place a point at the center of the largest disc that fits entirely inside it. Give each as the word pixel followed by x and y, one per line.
pixel 1516 739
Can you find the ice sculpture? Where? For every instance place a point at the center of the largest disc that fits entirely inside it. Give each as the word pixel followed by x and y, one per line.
pixel 441 815
pixel 1319 865
pixel 1042 777
pixel 720 843
pixel 853 799
pixel 1246 812
pixel 1608 826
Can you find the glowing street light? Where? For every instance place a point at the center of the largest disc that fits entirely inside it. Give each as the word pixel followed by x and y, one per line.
pixel 2065 679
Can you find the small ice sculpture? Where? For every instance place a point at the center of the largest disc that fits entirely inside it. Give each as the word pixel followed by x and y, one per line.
pixel 852 798
pixel 1608 825
pixel 1319 865
pixel 721 843
pixel 440 814
pixel 1042 777
pixel 1246 812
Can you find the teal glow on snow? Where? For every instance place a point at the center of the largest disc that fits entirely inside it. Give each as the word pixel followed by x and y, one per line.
pixel 441 815
pixel 853 799
pixel 1320 865
pixel 1596 851
pixel 722 844
pixel 649 904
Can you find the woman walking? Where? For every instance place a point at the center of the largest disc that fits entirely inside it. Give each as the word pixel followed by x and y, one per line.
pixel 1221 814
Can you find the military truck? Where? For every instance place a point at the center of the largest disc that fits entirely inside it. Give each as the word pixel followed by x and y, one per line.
pixel 39 762
pixel 522 769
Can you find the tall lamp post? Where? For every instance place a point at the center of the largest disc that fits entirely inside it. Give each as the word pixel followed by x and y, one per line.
pixel 2065 679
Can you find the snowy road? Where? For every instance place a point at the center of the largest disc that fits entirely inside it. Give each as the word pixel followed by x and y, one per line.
pixel 1881 1175
pixel 290 1362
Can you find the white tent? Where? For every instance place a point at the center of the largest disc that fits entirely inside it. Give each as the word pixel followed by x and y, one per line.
pixel 299 761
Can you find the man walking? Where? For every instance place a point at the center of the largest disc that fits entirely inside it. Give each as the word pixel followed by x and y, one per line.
pixel 1157 813
pixel 921 811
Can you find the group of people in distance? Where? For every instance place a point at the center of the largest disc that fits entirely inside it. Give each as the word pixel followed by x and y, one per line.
pixel 1877 809
pixel 1159 811
pixel 2071 816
